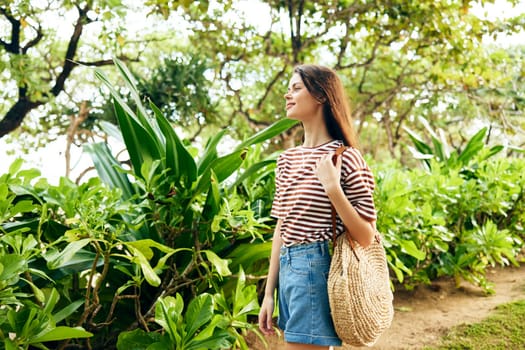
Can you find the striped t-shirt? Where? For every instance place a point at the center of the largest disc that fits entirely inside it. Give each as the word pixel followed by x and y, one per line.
pixel 300 200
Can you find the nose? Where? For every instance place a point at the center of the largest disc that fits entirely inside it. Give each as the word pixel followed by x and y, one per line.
pixel 287 95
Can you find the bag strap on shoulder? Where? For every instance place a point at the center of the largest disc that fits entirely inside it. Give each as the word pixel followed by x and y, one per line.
pixel 339 151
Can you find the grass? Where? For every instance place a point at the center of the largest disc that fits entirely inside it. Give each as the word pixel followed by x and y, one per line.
pixel 504 330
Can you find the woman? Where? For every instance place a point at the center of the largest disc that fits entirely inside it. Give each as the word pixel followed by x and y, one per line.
pixel 307 183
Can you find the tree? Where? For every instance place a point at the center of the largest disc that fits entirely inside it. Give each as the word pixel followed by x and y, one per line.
pixel 33 87
pixel 399 60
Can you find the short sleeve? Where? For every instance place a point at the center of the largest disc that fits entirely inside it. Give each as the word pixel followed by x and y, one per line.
pixel 277 205
pixel 358 183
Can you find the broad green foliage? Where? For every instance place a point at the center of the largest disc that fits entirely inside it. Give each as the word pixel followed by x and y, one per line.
pixel 443 153
pixel 140 244
pixel 198 328
pixel 32 326
pixel 460 215
pixel 28 316
pixel 208 322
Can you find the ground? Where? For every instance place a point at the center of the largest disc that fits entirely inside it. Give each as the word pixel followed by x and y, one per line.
pixel 423 315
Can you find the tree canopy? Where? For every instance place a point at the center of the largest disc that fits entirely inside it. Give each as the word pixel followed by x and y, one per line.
pixel 216 64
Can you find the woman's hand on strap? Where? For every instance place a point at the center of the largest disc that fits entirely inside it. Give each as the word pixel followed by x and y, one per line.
pixel 329 174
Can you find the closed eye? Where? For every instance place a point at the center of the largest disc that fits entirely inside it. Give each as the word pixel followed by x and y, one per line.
pixel 295 87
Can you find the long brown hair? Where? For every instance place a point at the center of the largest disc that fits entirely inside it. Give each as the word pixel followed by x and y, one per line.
pixel 325 85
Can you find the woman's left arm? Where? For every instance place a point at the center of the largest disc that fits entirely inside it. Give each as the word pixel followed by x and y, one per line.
pixel 361 229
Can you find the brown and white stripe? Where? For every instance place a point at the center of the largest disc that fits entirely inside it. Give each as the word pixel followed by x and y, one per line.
pixel 300 200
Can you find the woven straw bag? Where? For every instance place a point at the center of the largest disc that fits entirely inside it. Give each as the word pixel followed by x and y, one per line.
pixel 361 300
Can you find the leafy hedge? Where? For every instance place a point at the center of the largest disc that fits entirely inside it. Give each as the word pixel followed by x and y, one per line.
pixel 172 254
pixel 452 222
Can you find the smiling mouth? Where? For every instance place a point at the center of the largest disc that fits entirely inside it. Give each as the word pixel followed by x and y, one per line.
pixel 289 105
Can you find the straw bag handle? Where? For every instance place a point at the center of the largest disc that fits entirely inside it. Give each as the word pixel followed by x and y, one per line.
pixel 338 152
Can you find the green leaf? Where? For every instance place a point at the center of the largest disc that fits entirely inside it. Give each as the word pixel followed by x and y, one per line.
pixel 168 314
pixel 51 302
pixel 109 169
pixel 145 245
pixel 141 143
pixel 131 83
pixel 140 259
pixel 61 333
pixel 10 345
pixel 39 295
pixel 213 199
pixel 223 167
pixel 474 145
pixel 210 152
pixel 211 337
pixel 247 254
pixel 200 311
pixel 177 156
pixel 245 298
pixel 273 130
pixel 68 310
pixel 16 165
pixel 221 265
pixel 410 248
pixel 219 340
pixel 203 184
pixel 136 339
pixel 252 170
pixel 111 129
pixel 421 146
pixel 120 101
pixel 493 151
pixel 140 133
pixel 67 254
pixel 82 260
pixel 13 266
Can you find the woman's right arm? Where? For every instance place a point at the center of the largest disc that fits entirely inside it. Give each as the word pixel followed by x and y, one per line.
pixel 268 303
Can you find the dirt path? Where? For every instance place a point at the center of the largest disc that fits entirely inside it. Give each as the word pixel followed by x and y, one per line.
pixel 423 315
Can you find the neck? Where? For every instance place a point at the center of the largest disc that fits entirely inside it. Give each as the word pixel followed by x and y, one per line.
pixel 316 135
pixel 314 142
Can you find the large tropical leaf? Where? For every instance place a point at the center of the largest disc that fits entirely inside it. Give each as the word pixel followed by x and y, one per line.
pixel 210 152
pixel 142 115
pixel 178 158
pixel 223 167
pixel 474 145
pixel 142 146
pixel 420 145
pixel 273 130
pixel 252 170
pixel 142 136
pixel 109 169
pixel 213 199
pixel 247 254
pixel 200 312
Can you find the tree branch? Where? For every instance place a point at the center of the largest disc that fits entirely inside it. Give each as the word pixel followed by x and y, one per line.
pixel 71 50
pixel 14 45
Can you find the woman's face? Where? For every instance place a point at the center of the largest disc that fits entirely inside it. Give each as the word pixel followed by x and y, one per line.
pixel 300 104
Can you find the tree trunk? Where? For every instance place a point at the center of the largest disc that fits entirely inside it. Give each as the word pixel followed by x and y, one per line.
pixel 16 114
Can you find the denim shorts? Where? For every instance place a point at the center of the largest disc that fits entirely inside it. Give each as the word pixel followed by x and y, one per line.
pixel 304 310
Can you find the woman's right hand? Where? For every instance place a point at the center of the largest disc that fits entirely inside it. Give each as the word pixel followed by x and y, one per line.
pixel 265 316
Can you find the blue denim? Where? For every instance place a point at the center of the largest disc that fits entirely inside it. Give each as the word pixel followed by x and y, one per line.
pixel 304 310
